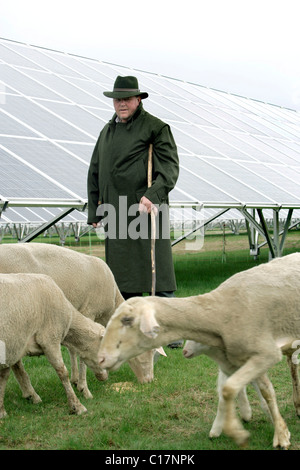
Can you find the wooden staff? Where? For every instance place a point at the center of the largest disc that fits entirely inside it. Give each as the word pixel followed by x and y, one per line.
pixel 153 226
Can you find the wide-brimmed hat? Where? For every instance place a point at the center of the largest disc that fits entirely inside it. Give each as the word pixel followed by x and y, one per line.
pixel 125 87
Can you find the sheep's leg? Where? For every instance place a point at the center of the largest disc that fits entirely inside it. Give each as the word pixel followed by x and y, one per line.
pixel 53 354
pixel 296 384
pixel 243 403
pixel 253 368
pixel 82 385
pixel 4 374
pixel 142 366
pixel 218 423
pixel 281 434
pixel 74 367
pixel 262 401
pixel 23 379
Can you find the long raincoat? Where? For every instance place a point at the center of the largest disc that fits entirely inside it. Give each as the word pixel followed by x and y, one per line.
pixel 117 179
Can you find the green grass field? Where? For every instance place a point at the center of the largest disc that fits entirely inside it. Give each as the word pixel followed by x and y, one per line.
pixel 175 412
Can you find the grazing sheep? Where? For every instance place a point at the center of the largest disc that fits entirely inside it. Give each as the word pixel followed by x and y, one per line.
pixel 192 349
pixel 36 318
pixel 250 317
pixel 88 284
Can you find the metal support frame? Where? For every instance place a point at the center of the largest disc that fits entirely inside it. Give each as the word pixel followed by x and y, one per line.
pixel 47 225
pixel 273 250
pixel 200 226
pixel 49 202
pixel 287 227
pixel 254 229
pixel 252 235
pixel 69 206
pixel 283 233
pixel 3 205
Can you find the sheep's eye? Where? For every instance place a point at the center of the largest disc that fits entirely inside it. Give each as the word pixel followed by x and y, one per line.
pixel 118 345
pixel 127 321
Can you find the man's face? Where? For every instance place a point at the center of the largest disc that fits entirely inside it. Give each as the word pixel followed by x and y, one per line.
pixel 126 107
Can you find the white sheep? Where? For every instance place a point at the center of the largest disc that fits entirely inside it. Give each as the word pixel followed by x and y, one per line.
pixel 192 349
pixel 250 317
pixel 88 284
pixel 36 318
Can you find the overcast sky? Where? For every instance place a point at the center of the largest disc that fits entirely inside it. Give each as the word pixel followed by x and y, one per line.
pixel 246 47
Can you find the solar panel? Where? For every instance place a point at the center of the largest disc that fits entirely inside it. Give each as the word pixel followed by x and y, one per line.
pixel 19 180
pixel 234 152
pixel 61 170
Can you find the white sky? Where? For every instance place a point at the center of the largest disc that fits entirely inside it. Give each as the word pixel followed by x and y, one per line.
pixel 248 47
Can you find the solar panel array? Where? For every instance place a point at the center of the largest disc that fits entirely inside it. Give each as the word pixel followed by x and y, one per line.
pixel 234 152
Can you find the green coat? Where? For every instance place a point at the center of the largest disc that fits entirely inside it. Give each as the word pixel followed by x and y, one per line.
pixel 118 177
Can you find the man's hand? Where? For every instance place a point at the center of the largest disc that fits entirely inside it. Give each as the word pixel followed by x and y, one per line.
pixel 146 205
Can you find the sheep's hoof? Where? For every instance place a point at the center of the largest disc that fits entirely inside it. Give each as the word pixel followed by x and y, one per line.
pixel 78 409
pixel 3 413
pixel 283 441
pixel 86 393
pixel 246 416
pixel 241 438
pixel 146 380
pixel 35 399
pixel 215 433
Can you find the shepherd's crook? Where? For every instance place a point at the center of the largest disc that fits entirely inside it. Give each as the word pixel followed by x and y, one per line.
pixel 153 227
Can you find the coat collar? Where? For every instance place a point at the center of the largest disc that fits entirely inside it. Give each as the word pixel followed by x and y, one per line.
pixel 139 110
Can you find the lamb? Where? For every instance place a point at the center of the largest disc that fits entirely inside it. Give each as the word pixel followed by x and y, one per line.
pixel 87 283
pixel 36 318
pixel 251 317
pixel 192 349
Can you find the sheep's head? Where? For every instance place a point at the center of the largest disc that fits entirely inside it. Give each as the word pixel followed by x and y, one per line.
pixel 192 349
pixel 189 349
pixel 129 332
pixel 90 356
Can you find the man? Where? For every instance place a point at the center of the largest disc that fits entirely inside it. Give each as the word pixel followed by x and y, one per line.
pixel 119 196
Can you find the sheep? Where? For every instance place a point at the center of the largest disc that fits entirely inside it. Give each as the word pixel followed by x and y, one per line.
pixel 251 317
pixel 36 318
pixel 192 349
pixel 88 284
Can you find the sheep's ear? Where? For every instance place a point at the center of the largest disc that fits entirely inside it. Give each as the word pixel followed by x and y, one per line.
pixel 161 351
pixel 148 325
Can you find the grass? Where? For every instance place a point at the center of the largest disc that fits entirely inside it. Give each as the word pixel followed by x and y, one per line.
pixel 174 412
